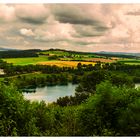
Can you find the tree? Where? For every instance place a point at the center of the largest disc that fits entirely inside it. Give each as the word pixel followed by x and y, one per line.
pixel 111 111
pixel 129 120
pixel 89 81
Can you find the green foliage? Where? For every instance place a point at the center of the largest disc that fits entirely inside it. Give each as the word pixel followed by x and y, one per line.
pixel 53 57
pixel 111 111
pixel 90 80
pixel 72 100
pixel 121 79
pixel 19 53
pixel 10 106
pixel 38 80
pixel 129 122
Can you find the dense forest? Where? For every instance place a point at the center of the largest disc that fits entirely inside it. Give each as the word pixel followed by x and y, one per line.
pixel 110 111
pixel 106 102
pixel 19 53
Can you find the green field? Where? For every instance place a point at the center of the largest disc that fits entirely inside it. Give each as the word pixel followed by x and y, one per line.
pixel 26 61
pixel 130 61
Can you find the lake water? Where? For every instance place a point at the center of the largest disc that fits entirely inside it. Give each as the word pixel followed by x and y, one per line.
pixel 51 93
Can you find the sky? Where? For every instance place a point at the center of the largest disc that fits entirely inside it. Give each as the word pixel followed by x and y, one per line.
pixel 78 27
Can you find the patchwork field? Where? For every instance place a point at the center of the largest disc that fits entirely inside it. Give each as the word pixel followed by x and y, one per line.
pixel 65 63
pixel 68 59
pixel 43 60
pixel 101 60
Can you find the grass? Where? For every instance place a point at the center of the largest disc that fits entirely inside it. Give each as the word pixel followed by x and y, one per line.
pixel 26 61
pixel 130 61
pixel 133 63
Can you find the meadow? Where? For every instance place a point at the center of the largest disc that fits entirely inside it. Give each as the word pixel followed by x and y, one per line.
pixel 130 61
pixel 26 61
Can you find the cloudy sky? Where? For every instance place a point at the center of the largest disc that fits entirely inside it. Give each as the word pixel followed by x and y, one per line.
pixel 80 27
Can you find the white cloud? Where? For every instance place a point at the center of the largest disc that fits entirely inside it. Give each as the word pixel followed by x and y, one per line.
pixel 54 32
pixel 108 27
pixel 7 13
pixel 26 32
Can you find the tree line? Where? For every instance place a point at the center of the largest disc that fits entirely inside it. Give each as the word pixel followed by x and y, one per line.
pixel 117 73
pixel 19 53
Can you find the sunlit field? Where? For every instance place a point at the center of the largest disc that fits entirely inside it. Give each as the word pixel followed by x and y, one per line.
pixel 130 61
pixel 43 60
pixel 26 61
pixel 65 63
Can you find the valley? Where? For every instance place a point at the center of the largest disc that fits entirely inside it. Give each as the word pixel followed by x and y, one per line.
pixel 59 85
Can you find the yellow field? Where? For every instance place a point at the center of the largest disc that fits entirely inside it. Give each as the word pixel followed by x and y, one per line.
pixel 65 63
pixel 102 60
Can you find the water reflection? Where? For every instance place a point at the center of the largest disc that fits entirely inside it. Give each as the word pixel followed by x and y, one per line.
pixel 50 93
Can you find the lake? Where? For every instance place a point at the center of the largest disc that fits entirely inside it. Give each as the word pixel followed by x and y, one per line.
pixel 50 93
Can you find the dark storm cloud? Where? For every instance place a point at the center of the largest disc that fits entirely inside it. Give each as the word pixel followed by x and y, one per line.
pixel 82 34
pixel 84 24
pixel 90 31
pixel 101 28
pixel 75 19
pixel 35 14
pixel 73 15
pixel 31 20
